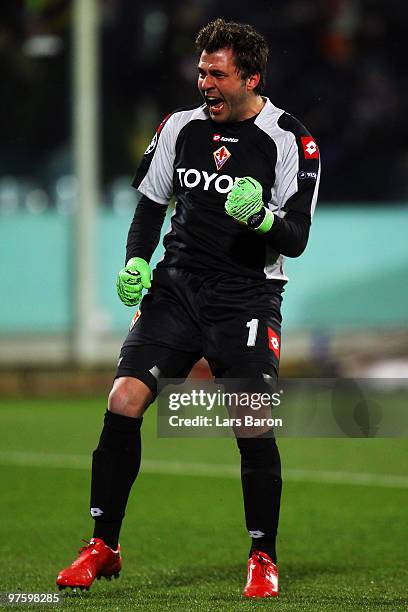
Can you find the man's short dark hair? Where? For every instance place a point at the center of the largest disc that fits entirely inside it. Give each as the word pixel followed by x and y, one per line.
pixel 248 46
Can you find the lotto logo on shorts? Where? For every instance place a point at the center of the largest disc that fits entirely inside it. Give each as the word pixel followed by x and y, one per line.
pixel 134 320
pixel 274 342
pixel 310 149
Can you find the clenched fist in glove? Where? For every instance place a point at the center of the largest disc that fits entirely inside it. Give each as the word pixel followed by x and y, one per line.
pixel 244 203
pixel 132 279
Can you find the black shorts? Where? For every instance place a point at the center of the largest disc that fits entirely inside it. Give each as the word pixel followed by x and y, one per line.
pixel 235 323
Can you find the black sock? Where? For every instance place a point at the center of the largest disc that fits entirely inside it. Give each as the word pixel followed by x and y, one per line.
pixel 115 465
pixel 261 487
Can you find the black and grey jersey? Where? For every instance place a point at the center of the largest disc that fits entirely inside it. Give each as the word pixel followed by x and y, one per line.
pixel 197 160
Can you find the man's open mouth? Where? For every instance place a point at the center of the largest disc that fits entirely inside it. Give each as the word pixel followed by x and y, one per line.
pixel 216 104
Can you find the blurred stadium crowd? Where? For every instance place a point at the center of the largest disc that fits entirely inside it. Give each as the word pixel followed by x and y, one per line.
pixel 339 65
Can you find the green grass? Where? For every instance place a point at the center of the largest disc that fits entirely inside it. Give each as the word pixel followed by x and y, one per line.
pixel 341 546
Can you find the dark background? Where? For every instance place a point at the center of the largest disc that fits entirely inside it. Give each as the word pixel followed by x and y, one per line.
pixel 338 65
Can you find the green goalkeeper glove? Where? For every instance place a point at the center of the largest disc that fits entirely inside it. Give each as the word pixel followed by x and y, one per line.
pixel 244 203
pixel 132 279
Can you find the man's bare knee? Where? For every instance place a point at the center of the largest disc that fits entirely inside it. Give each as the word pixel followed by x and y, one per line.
pixel 129 397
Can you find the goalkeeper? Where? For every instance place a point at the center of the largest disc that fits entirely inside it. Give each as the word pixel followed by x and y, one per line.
pixel 245 176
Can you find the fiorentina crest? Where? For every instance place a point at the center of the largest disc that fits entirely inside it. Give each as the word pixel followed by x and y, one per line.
pixel 221 155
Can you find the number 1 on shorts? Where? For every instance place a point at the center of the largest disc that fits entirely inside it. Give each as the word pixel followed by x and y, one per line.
pixel 253 330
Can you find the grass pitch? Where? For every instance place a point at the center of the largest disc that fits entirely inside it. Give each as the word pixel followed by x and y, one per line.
pixel 342 545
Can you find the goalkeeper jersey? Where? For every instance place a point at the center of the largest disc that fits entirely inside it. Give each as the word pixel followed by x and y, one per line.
pixel 197 160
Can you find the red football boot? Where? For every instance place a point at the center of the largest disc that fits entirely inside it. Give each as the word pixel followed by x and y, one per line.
pixel 95 559
pixel 262 580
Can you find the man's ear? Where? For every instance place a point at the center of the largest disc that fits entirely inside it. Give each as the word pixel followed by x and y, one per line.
pixel 253 81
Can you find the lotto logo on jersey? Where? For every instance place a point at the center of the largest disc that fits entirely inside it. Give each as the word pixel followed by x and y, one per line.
pixel 219 138
pixel 274 342
pixel 221 156
pixel 310 149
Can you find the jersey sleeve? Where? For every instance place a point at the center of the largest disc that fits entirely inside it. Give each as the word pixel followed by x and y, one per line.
pixel 297 169
pixel 144 231
pixel 154 176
